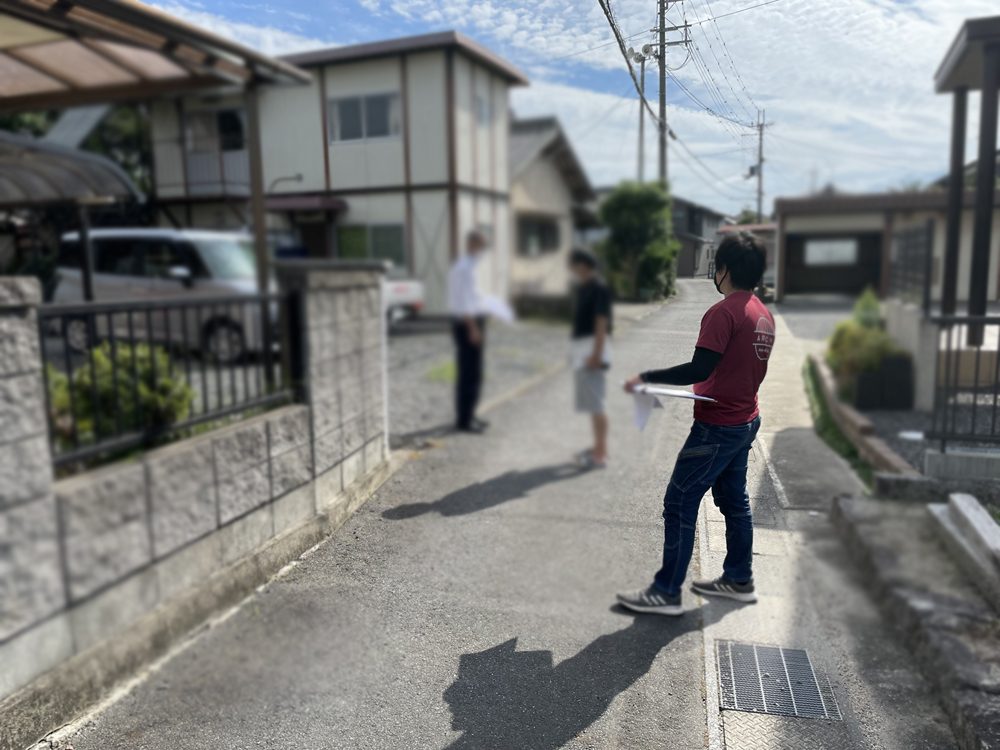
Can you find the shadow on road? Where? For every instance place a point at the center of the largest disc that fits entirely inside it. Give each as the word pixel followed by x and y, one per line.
pixel 511 485
pixel 506 699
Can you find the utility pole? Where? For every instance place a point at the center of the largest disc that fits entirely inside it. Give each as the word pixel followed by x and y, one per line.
pixel 642 118
pixel 663 90
pixel 760 166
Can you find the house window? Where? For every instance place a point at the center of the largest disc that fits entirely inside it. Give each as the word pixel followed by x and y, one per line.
pixel 536 236
pixel 209 132
pixel 484 113
pixel 376 241
pixel 831 252
pixel 361 117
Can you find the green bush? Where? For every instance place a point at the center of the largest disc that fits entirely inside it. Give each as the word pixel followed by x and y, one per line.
pixel 868 310
pixel 150 385
pixel 854 349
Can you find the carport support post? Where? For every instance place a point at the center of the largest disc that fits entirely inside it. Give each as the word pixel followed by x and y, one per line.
pixel 956 189
pixel 259 224
pixel 87 249
pixel 986 168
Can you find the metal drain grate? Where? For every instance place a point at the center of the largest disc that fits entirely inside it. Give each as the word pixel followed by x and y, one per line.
pixel 772 680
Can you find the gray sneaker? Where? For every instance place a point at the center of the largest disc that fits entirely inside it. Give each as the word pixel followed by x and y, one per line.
pixel 741 592
pixel 652 601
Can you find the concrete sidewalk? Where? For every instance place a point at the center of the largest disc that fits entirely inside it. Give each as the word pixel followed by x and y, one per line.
pixel 469 604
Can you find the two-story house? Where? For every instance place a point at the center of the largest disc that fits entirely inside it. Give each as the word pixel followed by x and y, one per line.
pixel 550 193
pixel 695 227
pixel 395 150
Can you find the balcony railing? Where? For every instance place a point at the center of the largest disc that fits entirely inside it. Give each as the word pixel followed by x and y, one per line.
pixel 130 374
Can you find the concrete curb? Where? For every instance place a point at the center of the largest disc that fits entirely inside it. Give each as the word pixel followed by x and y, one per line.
pixel 858 428
pixel 942 632
pixel 62 694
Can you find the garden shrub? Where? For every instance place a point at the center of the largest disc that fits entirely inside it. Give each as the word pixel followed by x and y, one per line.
pixel 855 349
pixel 152 395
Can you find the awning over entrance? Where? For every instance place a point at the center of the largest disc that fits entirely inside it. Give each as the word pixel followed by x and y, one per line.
pixel 38 173
pixel 962 67
pixel 304 203
pixel 58 53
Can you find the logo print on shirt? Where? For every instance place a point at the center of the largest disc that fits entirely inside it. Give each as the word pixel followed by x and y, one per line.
pixel 765 338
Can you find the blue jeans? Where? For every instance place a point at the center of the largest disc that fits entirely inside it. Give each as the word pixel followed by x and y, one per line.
pixel 714 456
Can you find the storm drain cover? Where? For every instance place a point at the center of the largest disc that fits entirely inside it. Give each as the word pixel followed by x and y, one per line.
pixel 772 680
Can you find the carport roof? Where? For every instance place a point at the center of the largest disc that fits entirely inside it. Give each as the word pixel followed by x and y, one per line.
pixel 57 53
pixel 39 173
pixel 870 202
pixel 963 64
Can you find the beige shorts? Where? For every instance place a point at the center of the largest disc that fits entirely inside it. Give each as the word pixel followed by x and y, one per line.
pixel 591 386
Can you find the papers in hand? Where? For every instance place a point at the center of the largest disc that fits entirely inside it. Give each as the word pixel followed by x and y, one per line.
pixel 644 400
pixel 497 308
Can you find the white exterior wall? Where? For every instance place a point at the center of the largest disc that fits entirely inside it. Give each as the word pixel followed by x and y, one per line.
pixel 168 148
pixel 431 233
pixel 369 163
pixel 428 128
pixel 465 120
pixel 539 190
pixel 293 145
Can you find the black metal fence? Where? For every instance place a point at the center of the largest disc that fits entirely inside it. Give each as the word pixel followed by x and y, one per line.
pixel 967 381
pixel 910 265
pixel 119 375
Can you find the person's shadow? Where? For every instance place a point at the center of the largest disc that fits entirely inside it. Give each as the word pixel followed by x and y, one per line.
pixel 510 485
pixel 505 699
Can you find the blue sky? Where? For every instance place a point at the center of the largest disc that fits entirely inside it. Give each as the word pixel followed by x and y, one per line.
pixel 846 84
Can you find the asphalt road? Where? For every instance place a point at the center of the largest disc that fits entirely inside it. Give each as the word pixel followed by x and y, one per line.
pixel 469 604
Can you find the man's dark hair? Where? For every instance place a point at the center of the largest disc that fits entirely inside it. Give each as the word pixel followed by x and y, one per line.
pixel 744 256
pixel 579 256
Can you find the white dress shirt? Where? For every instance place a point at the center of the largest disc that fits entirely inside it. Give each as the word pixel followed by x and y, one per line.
pixel 463 288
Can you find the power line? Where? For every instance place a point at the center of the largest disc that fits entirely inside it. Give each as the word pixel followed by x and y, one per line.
pixel 733 13
pixel 699 161
pixel 599 46
pixel 725 48
pixel 722 70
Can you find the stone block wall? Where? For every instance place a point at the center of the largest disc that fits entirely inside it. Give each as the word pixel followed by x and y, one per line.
pixel 83 558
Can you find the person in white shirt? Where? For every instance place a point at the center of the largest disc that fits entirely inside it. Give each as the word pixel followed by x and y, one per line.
pixel 468 329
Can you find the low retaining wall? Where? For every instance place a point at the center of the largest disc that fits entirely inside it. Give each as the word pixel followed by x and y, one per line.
pixel 101 572
pixel 858 428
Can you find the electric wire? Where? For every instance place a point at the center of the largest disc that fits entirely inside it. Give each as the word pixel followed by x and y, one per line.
pixel 711 48
pixel 725 48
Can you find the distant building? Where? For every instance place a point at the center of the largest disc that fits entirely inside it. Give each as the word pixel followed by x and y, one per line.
pixel 396 150
pixel 549 195
pixel 695 227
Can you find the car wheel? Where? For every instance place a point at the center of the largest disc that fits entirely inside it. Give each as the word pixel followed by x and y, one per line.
pixel 224 342
pixel 77 334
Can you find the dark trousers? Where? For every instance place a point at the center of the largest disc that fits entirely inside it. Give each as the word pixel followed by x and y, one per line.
pixel 469 365
pixel 713 457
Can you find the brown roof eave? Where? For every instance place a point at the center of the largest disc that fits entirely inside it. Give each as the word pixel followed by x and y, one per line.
pixel 410 44
pixel 871 203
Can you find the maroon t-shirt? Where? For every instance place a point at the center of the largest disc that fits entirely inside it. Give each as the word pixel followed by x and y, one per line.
pixel 741 329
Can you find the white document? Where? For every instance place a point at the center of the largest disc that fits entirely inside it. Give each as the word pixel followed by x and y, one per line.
pixel 581 349
pixel 644 400
pixel 497 308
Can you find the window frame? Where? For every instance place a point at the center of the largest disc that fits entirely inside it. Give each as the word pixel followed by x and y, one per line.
pixel 543 250
pixel 395 100
pixel 401 225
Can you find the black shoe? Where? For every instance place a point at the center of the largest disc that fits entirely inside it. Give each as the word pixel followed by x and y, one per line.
pixel 652 601
pixel 472 427
pixel 741 592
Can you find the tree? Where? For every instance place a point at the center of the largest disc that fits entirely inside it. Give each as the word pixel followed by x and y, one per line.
pixel 747 216
pixel 640 250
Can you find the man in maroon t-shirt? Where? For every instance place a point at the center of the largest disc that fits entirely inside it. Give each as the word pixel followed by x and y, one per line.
pixel 730 361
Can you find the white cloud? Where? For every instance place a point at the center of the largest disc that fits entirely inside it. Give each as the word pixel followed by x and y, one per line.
pixel 267 39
